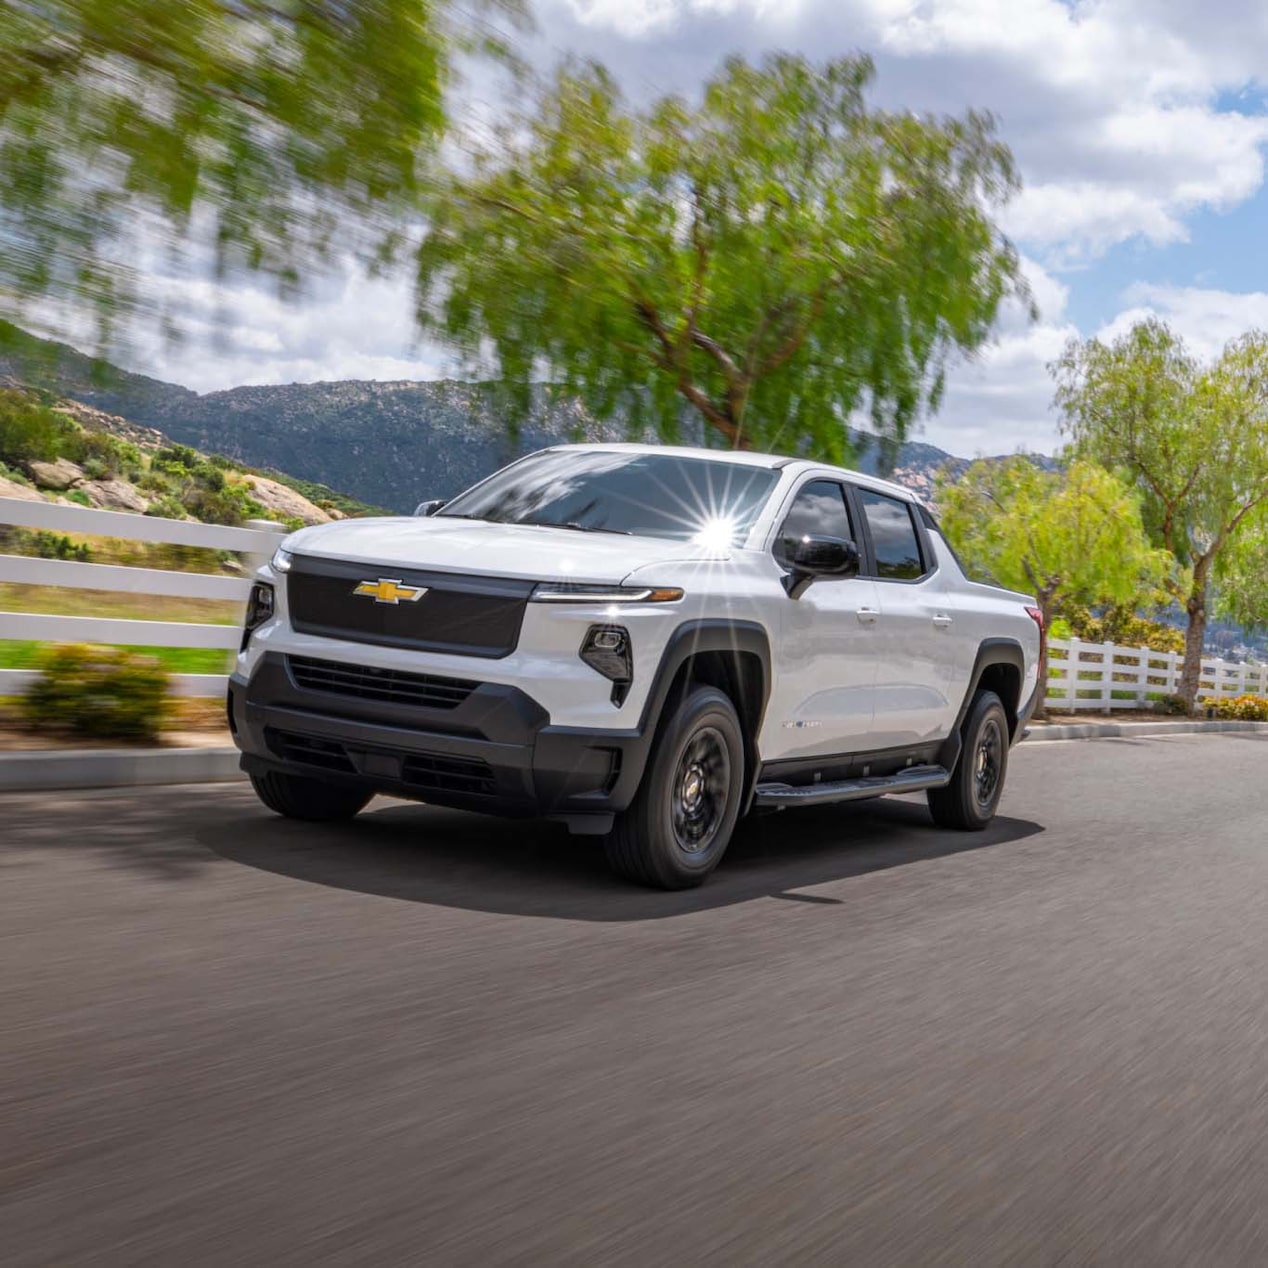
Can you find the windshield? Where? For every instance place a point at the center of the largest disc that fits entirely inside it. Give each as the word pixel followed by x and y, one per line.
pixel 645 494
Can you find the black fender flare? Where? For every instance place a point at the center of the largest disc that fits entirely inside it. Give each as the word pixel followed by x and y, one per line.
pixel 710 634
pixel 691 638
pixel 991 651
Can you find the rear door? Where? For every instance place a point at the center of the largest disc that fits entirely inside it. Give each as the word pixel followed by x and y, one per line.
pixel 915 647
pixel 821 699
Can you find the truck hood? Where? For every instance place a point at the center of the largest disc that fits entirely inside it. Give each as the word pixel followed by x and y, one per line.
pixel 475 547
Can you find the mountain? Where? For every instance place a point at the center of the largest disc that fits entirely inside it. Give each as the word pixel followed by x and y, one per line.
pixel 390 444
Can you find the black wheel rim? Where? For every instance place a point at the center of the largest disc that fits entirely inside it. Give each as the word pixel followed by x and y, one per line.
pixel 988 761
pixel 699 793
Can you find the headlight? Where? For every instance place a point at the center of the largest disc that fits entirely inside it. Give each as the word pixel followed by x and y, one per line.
pixel 281 561
pixel 570 592
pixel 606 649
pixel 260 609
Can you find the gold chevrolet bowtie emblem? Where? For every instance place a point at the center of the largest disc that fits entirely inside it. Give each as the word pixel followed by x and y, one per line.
pixel 387 590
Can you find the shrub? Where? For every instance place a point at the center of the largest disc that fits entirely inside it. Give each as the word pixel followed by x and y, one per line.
pixel 79 497
pixel 42 545
pixel 104 456
pixel 230 504
pixel 102 692
pixel 31 432
pixel 1241 709
pixel 1174 705
pixel 167 507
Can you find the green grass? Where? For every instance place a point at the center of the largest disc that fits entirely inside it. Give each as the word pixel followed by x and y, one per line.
pixel 176 660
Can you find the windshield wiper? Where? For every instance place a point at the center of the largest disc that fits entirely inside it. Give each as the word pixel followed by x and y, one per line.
pixel 577 528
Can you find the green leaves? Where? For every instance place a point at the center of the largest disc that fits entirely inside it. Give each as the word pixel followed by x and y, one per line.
pixel 1070 536
pixel 1194 440
pixel 275 133
pixel 772 258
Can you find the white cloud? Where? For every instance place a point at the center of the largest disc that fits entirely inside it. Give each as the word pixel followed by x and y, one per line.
pixel 999 401
pixel 1205 319
pixel 349 328
pixel 1112 107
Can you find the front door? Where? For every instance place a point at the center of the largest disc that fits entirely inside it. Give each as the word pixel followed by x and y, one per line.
pixel 821 701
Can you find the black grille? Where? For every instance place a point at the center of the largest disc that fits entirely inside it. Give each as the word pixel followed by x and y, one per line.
pixel 442 773
pixel 310 750
pixel 427 772
pixel 388 686
pixel 470 616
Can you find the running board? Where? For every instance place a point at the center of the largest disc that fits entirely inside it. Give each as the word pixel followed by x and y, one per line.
pixel 911 779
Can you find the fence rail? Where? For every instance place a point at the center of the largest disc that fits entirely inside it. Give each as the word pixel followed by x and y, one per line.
pixel 1096 676
pixel 255 542
pixel 1106 676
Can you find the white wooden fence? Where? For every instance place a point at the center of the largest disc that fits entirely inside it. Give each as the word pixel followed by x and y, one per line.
pixel 254 543
pixel 1098 676
pixel 1105 676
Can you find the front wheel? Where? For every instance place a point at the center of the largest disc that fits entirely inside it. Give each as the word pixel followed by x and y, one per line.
pixel 970 800
pixel 297 797
pixel 680 822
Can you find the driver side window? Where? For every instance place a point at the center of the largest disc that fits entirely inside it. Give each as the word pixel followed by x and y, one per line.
pixel 819 510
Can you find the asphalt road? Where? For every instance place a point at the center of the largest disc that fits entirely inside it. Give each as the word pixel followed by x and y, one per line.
pixel 433 1038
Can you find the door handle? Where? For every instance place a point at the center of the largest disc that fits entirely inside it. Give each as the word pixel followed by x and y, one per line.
pixel 943 621
pixel 867 616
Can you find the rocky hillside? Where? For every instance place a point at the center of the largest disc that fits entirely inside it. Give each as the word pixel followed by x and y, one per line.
pixel 67 451
pixel 389 444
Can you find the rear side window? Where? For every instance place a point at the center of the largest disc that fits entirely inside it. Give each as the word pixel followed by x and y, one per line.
pixel 894 540
pixel 818 510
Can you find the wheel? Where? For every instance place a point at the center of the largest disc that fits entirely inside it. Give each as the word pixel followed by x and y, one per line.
pixel 679 824
pixel 970 800
pixel 297 797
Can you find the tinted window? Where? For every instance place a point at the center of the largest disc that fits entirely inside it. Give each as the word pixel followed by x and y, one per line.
pixel 616 491
pixel 817 511
pixel 893 536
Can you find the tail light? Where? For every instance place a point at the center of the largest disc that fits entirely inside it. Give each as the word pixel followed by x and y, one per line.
pixel 1036 615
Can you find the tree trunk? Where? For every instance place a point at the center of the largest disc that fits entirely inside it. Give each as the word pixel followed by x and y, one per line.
pixel 1195 634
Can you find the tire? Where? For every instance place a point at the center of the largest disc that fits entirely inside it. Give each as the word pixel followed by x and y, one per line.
pixel 298 797
pixel 679 824
pixel 970 800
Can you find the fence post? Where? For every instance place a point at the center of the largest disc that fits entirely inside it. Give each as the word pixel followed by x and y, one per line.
pixel 1142 676
pixel 254 560
pixel 1107 676
pixel 1072 673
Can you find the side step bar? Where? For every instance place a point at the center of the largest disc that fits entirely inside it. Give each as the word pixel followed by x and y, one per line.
pixel 912 779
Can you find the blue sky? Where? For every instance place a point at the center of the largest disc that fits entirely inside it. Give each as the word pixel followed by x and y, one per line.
pixel 1139 126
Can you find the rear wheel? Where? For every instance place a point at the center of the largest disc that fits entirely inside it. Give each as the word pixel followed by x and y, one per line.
pixel 680 822
pixel 297 797
pixel 970 800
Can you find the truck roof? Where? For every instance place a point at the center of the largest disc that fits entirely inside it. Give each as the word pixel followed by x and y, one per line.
pixel 748 458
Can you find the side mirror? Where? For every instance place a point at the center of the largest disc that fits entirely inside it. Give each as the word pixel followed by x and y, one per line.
pixel 814 557
pixel 424 509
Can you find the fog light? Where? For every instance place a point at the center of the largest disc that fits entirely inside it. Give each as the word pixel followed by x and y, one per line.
pixel 606 649
pixel 260 610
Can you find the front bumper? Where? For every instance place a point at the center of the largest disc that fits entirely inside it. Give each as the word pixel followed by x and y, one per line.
pixel 495 751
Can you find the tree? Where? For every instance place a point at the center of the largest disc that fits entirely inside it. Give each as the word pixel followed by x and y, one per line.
pixel 275 132
pixel 1193 439
pixel 772 259
pixel 1075 536
pixel 1241 592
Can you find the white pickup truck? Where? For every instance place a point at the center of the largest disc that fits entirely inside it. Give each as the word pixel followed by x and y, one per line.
pixel 644 643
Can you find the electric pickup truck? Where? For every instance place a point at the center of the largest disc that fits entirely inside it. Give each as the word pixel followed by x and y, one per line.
pixel 644 643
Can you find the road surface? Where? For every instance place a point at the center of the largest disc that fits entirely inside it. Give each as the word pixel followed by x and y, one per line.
pixel 432 1038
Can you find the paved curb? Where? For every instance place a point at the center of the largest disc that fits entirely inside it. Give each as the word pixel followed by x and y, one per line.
pixel 116 768
pixel 1117 730
pixel 127 768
